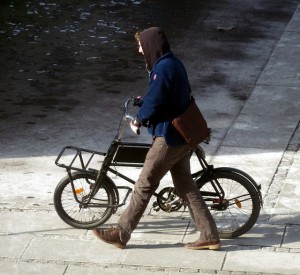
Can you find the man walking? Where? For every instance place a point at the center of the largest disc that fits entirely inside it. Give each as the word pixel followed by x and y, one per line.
pixel 168 96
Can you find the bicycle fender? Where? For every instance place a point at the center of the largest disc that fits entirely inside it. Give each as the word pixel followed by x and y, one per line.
pixel 246 176
pixel 113 187
pixel 109 181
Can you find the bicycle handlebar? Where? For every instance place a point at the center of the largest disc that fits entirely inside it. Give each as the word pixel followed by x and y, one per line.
pixel 136 101
pixel 126 114
pixel 124 118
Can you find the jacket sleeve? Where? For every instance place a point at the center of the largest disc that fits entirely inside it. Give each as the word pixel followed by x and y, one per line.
pixel 156 100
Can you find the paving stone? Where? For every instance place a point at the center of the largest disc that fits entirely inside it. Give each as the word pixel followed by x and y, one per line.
pixel 58 248
pixel 246 159
pixel 277 134
pixel 31 222
pixel 263 261
pixel 174 256
pixel 261 235
pixel 13 246
pixel 291 238
pixel 87 270
pixel 281 69
pixel 273 101
pixel 294 170
pixel 13 268
pixel 160 230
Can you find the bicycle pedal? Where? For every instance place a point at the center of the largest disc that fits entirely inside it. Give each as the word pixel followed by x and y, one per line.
pixel 155 207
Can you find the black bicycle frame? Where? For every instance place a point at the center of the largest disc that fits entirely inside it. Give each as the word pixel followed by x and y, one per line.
pixel 128 154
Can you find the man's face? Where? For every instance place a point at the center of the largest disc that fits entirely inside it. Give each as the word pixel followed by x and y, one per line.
pixel 140 48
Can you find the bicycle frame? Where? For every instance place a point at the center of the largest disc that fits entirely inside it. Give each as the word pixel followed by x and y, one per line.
pixel 130 154
pixel 224 189
pixel 127 154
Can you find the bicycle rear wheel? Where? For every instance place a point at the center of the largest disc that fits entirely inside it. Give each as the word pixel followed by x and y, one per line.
pixel 69 202
pixel 238 212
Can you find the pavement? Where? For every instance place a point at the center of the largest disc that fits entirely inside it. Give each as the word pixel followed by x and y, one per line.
pixel 263 140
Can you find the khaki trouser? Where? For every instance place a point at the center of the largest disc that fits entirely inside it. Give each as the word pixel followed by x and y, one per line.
pixel 159 160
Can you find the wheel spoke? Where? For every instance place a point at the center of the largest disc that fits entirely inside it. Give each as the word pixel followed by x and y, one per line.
pixel 239 210
pixel 82 215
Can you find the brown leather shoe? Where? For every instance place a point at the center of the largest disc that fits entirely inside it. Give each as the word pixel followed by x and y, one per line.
pixel 111 236
pixel 204 245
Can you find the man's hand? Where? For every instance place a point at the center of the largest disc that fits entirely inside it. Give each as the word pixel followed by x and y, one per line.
pixel 137 101
pixel 135 125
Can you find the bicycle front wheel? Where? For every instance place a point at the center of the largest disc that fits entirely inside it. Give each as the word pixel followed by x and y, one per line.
pixel 70 203
pixel 238 212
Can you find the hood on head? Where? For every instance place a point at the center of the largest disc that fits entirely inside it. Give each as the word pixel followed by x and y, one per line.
pixel 154 43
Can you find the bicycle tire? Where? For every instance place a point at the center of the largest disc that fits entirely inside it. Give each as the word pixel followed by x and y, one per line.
pixel 71 212
pixel 244 203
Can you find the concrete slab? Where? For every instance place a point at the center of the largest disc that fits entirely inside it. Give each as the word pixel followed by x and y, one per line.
pixel 160 230
pixel 279 101
pixel 92 270
pixel 257 132
pixel 13 268
pixel 260 164
pixel 282 69
pixel 189 271
pixel 291 238
pixel 219 114
pixel 31 202
pixel 262 235
pixel 74 250
pixel 284 217
pixel 156 229
pixel 13 246
pixel 174 256
pixel 34 178
pixel 30 222
pixel 262 261
pixel 293 25
pixel 290 197
pixel 286 210
pixel 294 171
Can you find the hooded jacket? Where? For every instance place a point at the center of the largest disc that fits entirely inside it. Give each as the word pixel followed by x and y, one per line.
pixel 168 92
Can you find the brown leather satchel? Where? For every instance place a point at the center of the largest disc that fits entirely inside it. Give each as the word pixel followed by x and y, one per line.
pixel 192 125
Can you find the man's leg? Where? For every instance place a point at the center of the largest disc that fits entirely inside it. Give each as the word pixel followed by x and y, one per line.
pixel 187 189
pixel 159 161
pixel 148 181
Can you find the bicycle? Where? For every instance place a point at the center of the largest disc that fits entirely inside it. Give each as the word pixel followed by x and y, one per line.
pixel 86 197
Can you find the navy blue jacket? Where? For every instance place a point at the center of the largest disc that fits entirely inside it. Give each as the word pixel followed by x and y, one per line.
pixel 168 96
